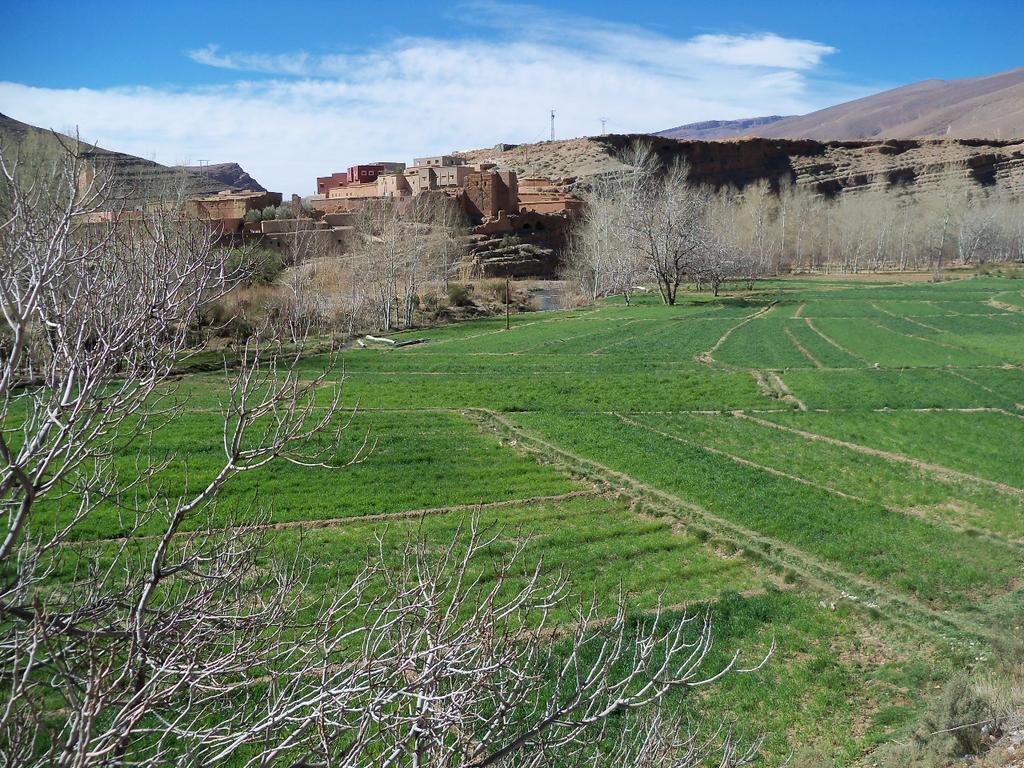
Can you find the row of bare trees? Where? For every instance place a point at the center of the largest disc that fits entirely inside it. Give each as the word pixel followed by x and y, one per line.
pixel 643 225
pixel 184 640
pixel 648 225
pixel 404 245
pixel 397 252
pixel 953 221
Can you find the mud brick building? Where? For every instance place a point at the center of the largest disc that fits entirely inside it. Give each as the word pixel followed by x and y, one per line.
pixel 486 192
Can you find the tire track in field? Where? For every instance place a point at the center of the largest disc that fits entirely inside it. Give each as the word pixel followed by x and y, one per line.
pixel 743 461
pixel 822 576
pixel 536 348
pixel 435 342
pixel 946 473
pixel 836 344
pixel 908 319
pixel 339 522
pixel 629 338
pixel 708 358
pixel 925 339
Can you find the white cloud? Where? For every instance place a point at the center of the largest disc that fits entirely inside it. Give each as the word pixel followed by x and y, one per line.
pixel 286 64
pixel 418 96
pixel 765 50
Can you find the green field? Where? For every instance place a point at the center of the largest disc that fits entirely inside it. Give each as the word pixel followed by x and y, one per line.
pixel 837 466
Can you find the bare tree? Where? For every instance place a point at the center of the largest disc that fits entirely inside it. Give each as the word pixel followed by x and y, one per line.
pixel 600 260
pixel 727 252
pixel 665 227
pixel 437 659
pixel 98 304
pixel 977 234
pixel 403 245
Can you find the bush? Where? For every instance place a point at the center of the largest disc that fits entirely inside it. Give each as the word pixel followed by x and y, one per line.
pixel 258 267
pixel 958 722
pixel 496 290
pixel 458 295
pixel 430 302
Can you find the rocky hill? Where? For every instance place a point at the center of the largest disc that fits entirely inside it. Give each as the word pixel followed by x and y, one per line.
pixel 134 178
pixel 719 129
pixel 990 107
pixel 830 166
pixel 232 175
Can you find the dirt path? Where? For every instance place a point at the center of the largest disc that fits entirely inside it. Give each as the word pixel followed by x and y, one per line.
pixel 803 349
pixel 1004 306
pixel 936 469
pixel 708 357
pixel 772 386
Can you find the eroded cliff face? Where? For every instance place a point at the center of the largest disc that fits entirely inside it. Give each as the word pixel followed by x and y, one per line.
pixel 830 167
pixel 230 175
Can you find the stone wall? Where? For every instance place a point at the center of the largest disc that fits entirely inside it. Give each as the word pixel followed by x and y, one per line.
pixel 228 209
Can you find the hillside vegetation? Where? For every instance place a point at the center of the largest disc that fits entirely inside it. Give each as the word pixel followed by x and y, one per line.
pixel 139 179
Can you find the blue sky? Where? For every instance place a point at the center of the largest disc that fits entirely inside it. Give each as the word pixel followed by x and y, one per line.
pixel 295 89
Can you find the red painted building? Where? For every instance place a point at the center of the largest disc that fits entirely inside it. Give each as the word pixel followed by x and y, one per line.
pixel 364 174
pixel 357 174
pixel 324 184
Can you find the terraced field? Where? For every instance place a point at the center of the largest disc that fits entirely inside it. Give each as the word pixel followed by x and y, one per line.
pixel 837 466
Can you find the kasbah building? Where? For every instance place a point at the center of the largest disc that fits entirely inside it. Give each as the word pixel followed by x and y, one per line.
pixel 496 203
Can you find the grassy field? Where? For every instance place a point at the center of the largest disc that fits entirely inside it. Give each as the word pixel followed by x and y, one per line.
pixel 835 465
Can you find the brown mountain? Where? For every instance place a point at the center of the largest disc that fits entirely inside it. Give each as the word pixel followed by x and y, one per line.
pixel 990 107
pixel 718 129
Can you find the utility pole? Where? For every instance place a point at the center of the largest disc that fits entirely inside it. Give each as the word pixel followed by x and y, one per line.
pixel 508 321
pixel 604 120
pixel 552 124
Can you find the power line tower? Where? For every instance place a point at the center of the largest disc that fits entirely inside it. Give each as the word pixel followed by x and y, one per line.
pixel 604 121
pixel 552 125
